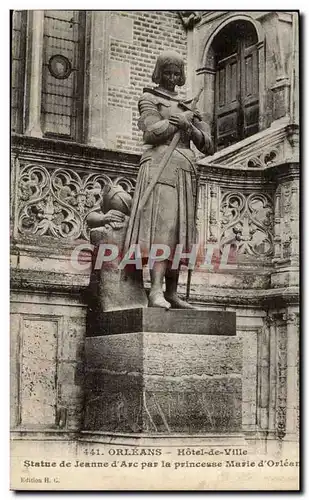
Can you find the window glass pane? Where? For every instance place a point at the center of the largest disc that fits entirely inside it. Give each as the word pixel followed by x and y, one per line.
pixel 59 122
pixel 61 90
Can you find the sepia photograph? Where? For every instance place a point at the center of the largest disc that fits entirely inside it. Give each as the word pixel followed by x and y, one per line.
pixel 154 250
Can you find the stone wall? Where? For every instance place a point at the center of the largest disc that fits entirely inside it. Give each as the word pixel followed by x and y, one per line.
pixel 49 297
pixel 136 39
pixel 47 339
pixel 261 362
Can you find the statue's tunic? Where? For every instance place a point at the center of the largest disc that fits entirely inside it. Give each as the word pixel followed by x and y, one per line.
pixel 168 216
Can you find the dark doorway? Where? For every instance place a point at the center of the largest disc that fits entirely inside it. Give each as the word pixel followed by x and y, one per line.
pixel 236 83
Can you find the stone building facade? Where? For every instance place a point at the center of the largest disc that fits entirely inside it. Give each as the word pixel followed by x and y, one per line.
pixel 76 80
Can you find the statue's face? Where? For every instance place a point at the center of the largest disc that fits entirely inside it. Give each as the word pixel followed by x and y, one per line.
pixel 170 76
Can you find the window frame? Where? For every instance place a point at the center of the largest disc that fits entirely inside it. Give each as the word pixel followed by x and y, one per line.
pixel 19 129
pixel 77 124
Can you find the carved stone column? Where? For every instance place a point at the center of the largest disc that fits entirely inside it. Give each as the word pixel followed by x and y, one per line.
pixel 209 94
pixel 294 220
pixel 286 228
pixel 263 390
pixel 97 78
pixel 262 85
pixel 294 70
pixel 213 213
pixel 292 396
pixel 281 379
pixel 277 224
pixel 283 374
pixel 34 71
pixel 272 374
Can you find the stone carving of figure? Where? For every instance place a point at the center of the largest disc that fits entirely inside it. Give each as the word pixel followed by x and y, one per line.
pixel 112 288
pixel 168 216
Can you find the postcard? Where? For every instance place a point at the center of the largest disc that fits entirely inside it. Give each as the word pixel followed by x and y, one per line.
pixel 154 250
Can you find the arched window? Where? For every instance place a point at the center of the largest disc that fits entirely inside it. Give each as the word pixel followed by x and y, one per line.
pixel 234 60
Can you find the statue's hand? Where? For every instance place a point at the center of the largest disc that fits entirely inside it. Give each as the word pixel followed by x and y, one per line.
pixel 198 116
pixel 182 120
pixel 114 216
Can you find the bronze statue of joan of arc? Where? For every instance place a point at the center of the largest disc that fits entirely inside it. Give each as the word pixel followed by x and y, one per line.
pixel 168 215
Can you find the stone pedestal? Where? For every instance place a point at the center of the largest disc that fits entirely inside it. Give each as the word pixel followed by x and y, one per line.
pixel 157 371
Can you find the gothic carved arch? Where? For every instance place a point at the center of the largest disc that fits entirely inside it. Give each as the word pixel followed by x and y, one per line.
pixel 229 19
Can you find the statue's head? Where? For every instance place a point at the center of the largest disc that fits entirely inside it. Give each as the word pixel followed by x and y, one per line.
pixel 169 70
pixel 114 197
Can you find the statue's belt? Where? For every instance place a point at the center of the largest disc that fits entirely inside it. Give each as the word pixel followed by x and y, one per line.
pixel 181 159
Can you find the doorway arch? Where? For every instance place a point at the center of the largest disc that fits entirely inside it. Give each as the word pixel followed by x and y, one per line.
pixel 234 80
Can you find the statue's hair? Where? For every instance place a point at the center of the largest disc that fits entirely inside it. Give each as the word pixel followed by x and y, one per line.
pixel 166 58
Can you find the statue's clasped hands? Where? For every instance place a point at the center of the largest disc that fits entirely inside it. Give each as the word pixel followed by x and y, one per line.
pixel 182 120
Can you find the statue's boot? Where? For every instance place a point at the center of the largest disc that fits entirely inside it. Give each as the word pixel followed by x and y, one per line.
pixel 178 303
pixel 156 299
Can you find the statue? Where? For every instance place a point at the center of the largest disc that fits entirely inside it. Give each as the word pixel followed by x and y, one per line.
pixel 112 288
pixel 167 214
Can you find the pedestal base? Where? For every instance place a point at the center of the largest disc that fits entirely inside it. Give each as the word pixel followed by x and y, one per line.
pixel 156 319
pixel 164 381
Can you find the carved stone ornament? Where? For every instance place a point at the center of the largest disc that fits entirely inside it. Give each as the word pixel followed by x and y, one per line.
pixel 291 318
pixel 247 221
pixel 272 146
pixel 269 157
pixel 270 321
pixel 56 202
pixel 281 382
pixel 189 18
pixel 287 217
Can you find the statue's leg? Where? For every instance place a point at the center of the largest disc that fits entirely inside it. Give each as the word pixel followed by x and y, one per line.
pixel 171 282
pixel 156 297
